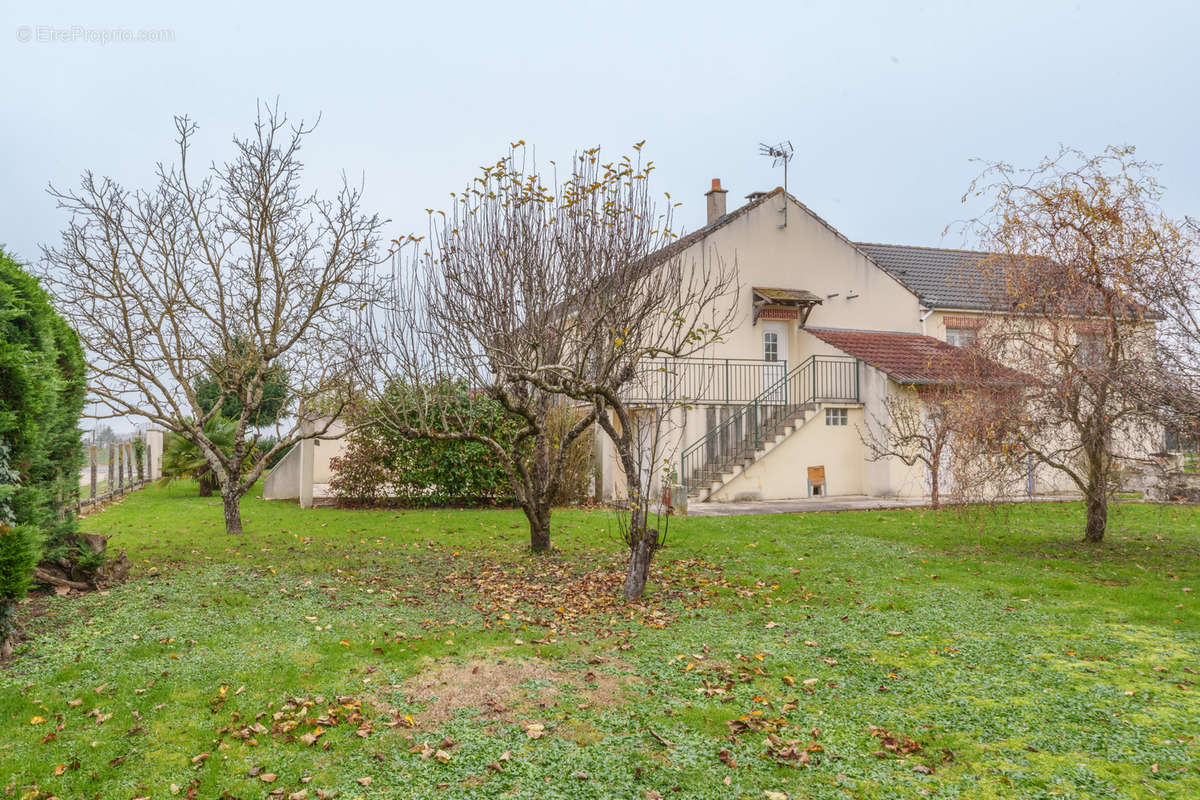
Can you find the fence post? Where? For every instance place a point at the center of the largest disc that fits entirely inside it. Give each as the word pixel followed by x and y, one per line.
pixel 756 424
pixel 111 475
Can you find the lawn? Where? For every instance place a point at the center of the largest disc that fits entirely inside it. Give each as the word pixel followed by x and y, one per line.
pixel 385 654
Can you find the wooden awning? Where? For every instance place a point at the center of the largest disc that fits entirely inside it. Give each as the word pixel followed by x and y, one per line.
pixel 770 303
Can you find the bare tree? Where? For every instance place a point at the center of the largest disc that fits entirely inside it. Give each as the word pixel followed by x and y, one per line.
pixel 232 272
pixel 958 429
pixel 1179 290
pixel 539 290
pixel 639 302
pixel 1081 250
pixel 916 429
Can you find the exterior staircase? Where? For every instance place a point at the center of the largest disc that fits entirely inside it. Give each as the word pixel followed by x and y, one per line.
pixel 754 429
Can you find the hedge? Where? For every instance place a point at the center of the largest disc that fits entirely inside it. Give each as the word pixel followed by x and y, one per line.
pixel 42 388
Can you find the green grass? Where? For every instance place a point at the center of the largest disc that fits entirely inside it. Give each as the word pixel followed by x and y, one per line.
pixel 1022 662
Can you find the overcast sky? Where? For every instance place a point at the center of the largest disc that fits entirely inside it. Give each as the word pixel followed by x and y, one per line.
pixel 885 103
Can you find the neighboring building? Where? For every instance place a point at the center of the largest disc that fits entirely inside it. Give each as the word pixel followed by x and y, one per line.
pixel 827 328
pixel 303 474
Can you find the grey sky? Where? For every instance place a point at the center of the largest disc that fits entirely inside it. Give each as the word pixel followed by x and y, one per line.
pixel 884 102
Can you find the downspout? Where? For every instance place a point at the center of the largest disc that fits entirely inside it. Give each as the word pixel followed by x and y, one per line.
pixel 924 317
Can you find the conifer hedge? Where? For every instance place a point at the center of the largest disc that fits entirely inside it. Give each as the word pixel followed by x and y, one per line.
pixel 42 388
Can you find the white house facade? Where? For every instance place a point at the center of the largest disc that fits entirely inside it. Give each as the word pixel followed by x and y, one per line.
pixel 826 330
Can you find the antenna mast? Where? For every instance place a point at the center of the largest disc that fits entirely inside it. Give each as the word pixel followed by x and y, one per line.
pixel 780 154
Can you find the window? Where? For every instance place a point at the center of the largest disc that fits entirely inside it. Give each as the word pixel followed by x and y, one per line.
pixel 1093 349
pixel 961 337
pixel 770 346
pixel 836 416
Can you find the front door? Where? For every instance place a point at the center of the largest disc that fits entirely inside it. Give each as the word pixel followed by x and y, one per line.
pixel 775 353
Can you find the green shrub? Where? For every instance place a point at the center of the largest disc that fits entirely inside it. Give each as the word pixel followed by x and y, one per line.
pixel 382 467
pixel 19 548
pixel 42 374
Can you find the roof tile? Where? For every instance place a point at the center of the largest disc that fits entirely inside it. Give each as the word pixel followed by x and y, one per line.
pixel 912 358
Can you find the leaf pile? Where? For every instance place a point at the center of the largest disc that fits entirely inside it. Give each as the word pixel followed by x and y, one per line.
pixel 301 719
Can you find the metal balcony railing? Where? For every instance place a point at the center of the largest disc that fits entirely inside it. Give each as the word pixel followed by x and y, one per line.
pixel 820 379
pixel 728 381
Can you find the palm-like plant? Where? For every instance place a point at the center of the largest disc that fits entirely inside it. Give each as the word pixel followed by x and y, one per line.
pixel 184 459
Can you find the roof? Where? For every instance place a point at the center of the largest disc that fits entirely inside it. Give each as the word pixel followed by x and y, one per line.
pixel 912 358
pixel 942 278
pixel 786 296
pixel 684 242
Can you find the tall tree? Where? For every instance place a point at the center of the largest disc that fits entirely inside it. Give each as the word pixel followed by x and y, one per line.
pixel 234 271
pixel 541 290
pixel 483 304
pixel 1082 250
pixel 212 388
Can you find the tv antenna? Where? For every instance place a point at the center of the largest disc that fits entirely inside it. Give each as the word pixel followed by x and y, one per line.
pixel 780 154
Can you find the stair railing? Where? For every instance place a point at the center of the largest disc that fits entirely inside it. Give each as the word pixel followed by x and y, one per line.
pixel 745 431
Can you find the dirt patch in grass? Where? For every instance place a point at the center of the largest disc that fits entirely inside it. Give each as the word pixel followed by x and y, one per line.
pixel 507 690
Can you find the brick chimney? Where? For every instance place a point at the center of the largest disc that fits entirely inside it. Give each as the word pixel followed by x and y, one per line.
pixel 716 201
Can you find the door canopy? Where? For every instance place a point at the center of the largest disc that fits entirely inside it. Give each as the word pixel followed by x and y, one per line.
pixel 789 304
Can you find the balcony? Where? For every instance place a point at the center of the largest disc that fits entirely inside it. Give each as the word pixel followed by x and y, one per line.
pixel 725 381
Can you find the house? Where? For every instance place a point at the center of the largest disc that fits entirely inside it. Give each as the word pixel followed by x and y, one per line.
pixel 827 329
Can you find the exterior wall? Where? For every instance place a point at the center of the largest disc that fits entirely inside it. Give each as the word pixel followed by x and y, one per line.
pixel 807 254
pixel 326 449
pixel 305 464
pixel 675 432
pixel 283 481
pixel 782 473
pixel 154 453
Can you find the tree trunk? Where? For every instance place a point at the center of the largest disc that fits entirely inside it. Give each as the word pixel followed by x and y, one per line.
pixel 1097 516
pixel 232 499
pixel 640 555
pixel 538 514
pixel 207 484
pixel 935 500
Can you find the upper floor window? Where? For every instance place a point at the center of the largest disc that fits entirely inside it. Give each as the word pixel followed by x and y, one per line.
pixel 1093 349
pixel 770 346
pixel 961 337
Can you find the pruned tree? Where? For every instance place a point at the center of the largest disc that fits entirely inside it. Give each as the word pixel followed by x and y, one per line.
pixel 1178 289
pixel 915 428
pixel 540 290
pixel 231 274
pixel 479 306
pixel 958 429
pixel 1082 251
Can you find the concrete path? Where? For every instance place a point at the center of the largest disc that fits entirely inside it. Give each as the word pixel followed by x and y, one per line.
pixel 840 503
